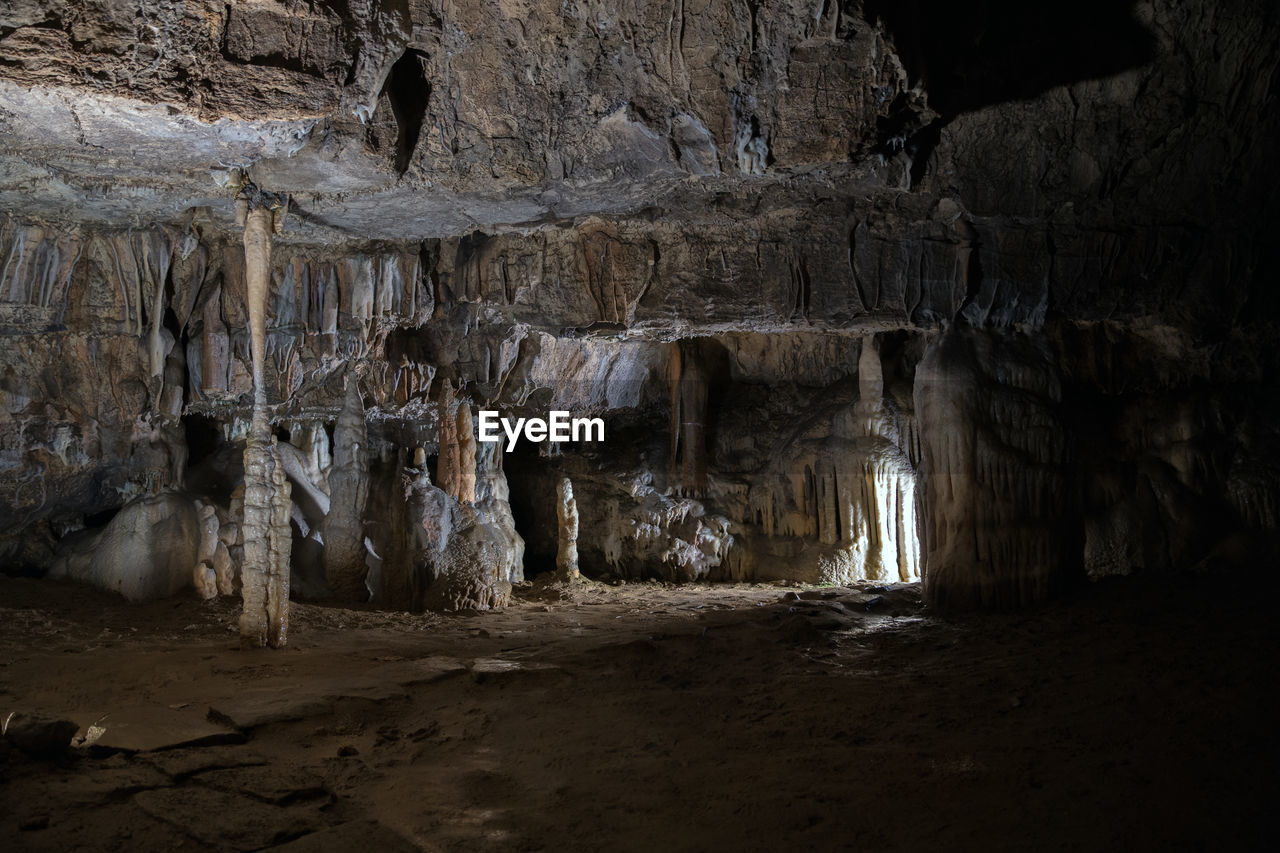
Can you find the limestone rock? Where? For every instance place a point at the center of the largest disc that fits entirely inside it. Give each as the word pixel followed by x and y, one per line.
pixel 343 526
pixel 147 551
pixel 151 728
pixel 38 735
pixel 567 515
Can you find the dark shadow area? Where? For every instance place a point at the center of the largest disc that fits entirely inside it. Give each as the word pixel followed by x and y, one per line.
pixel 204 436
pixel 409 91
pixel 101 518
pixel 532 481
pixel 971 55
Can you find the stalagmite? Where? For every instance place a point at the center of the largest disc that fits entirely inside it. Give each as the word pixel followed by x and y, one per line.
pixel 567 514
pixel 449 462
pixel 205 576
pixel 264 575
pixel 466 454
pixel 343 526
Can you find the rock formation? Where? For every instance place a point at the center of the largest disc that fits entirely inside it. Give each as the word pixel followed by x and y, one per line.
pixel 861 291
pixel 999 511
pixel 264 574
pixel 567 515
pixel 343 525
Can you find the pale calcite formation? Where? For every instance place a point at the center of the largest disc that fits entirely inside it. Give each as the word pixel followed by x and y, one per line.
pixel 205 575
pixel 449 460
pixel 567 514
pixel 444 554
pixel 148 550
pixel 465 432
pixel 224 570
pixel 649 530
pixel 838 504
pixel 264 574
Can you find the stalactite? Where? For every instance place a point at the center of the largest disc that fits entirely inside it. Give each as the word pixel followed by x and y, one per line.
pixel 215 346
pixel 267 541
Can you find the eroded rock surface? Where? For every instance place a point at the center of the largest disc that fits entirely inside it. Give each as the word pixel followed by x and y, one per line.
pixel 862 291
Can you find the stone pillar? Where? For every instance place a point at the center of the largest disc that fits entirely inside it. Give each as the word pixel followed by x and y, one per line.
pixel 567 514
pixel 999 523
pixel 264 574
pixel 689 391
pixel 466 454
pixel 449 461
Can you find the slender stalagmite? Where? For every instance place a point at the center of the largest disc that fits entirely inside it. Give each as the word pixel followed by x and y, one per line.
pixel 449 462
pixel 466 454
pixel 567 511
pixel 265 571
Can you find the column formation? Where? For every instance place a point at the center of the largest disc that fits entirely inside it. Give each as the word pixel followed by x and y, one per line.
pixel 264 574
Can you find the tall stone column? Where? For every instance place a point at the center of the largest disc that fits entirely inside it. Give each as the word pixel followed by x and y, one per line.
pixel 449 458
pixel 264 574
pixel 690 386
pixel 465 432
pixel 567 515
pixel 1000 526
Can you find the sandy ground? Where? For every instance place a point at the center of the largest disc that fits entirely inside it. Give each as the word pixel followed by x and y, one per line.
pixel 1134 716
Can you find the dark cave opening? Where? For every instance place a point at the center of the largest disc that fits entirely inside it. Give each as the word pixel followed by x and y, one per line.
pixel 973 55
pixel 204 437
pixel 531 479
pixel 100 518
pixel 409 91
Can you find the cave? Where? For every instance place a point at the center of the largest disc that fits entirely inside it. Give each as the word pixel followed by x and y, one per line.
pixel 554 425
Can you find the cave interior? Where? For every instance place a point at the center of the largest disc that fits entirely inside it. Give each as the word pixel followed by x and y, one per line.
pixel 919 484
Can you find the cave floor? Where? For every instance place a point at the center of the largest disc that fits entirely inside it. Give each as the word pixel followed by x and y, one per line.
pixel 647 717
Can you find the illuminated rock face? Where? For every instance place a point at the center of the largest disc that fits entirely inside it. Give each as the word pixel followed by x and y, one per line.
pixel 151 549
pixel 567 515
pixel 861 293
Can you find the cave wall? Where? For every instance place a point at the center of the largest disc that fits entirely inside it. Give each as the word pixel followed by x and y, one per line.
pixel 864 291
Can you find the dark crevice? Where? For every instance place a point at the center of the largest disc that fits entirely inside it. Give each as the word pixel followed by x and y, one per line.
pixel 409 91
pixel 203 435
pixel 100 518
pixel 972 55
pixel 920 148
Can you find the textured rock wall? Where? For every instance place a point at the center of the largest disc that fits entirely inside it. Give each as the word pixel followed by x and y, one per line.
pixel 999 513
pixel 980 294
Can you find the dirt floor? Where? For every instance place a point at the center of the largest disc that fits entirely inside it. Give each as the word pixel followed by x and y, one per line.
pixel 639 717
